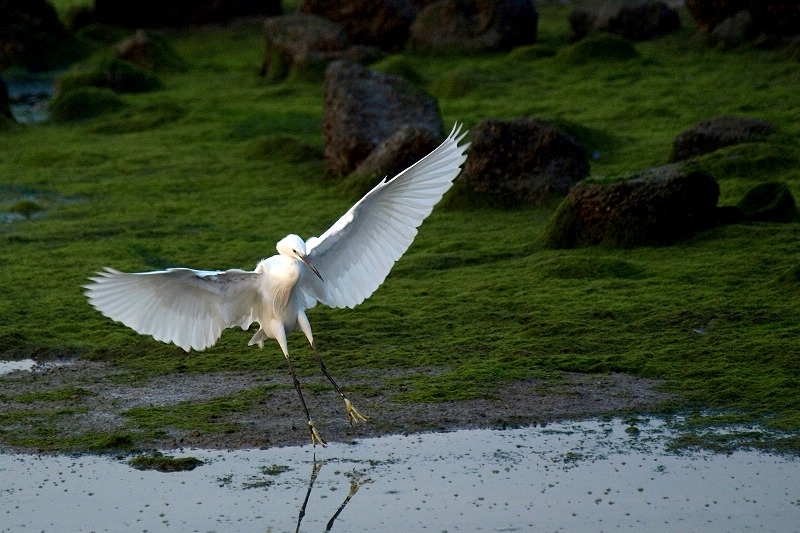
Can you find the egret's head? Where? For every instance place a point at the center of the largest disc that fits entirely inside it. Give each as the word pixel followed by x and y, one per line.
pixel 294 247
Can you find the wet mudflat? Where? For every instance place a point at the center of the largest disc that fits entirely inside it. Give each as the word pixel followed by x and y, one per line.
pixel 595 475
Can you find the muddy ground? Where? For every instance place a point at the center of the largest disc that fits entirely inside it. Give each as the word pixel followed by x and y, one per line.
pixel 279 420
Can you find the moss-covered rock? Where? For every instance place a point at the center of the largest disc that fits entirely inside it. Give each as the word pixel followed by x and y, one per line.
pixel 164 463
pixel 769 202
pixel 716 132
pixel 84 103
pixel 659 205
pixel 523 161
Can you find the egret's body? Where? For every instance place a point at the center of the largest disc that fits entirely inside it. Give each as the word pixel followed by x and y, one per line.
pixel 341 268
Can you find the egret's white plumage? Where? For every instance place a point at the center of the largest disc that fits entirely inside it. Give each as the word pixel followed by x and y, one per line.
pixel 341 268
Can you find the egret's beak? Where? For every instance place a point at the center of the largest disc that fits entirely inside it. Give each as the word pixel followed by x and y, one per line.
pixel 312 267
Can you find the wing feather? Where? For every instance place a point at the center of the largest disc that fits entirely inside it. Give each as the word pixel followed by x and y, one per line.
pixel 187 307
pixel 356 254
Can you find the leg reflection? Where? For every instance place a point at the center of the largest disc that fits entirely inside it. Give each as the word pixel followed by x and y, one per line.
pixel 315 467
pixel 356 480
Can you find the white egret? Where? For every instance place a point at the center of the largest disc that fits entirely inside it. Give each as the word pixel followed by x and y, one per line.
pixel 341 268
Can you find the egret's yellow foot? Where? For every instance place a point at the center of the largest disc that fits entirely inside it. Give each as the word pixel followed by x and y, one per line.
pixel 315 438
pixel 353 413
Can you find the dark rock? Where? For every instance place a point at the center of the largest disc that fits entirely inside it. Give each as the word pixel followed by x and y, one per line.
pixel 177 13
pixel 398 152
pixel 659 205
pixel 363 108
pixel 525 160
pixel 32 36
pixel 735 30
pixel 381 23
pixel 301 45
pixel 714 133
pixel 770 202
pixel 474 25
pixel 633 19
pixel 775 17
pixel 150 51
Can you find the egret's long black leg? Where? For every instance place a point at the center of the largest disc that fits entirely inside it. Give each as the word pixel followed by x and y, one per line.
pixel 315 438
pixel 352 412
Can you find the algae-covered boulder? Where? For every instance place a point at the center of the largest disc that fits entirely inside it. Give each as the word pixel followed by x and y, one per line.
pixel 771 17
pixel 633 19
pixel 395 154
pixel 84 103
pixel 769 202
pixel 380 23
pixel 714 133
pixel 523 161
pixel 363 108
pixel 300 46
pixel 659 205
pixel 474 25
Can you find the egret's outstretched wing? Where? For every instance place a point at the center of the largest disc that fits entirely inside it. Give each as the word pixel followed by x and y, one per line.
pixel 180 305
pixel 356 254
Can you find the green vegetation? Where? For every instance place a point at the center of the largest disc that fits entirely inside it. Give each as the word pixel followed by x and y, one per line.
pixel 164 463
pixel 217 166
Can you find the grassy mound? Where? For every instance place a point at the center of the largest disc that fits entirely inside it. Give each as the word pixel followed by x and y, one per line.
pixel 770 202
pixel 598 47
pixel 83 103
pixel 116 74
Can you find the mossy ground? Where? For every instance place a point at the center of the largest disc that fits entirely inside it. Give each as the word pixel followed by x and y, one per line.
pixel 717 316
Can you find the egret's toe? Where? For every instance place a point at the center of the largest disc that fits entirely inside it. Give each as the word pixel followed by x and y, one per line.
pixel 353 413
pixel 315 438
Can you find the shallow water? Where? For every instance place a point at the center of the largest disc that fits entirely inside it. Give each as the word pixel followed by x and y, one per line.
pixel 581 476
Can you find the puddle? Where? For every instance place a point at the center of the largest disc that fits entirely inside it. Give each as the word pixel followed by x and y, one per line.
pixel 29 97
pixel 7 367
pixel 28 365
pixel 581 476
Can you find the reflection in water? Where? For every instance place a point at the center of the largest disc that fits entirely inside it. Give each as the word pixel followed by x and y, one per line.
pixel 577 476
pixel 356 481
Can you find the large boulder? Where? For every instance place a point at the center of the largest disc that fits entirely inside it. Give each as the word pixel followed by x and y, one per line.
pixel 302 44
pixel 404 148
pixel 177 13
pixel 363 108
pixel 659 205
pixel 467 25
pixel 637 20
pixel 32 36
pixel 716 132
pixel 381 23
pixel 775 17
pixel 525 160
